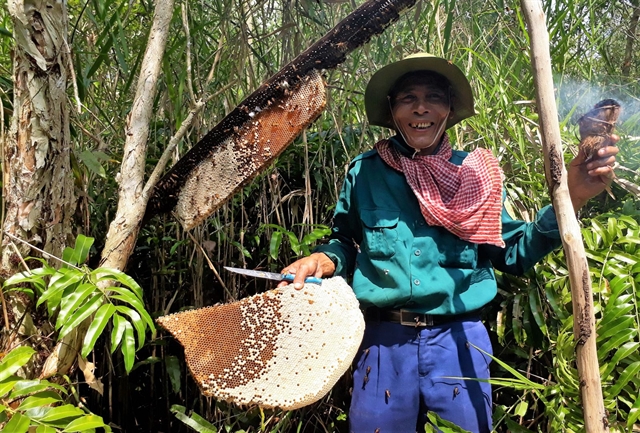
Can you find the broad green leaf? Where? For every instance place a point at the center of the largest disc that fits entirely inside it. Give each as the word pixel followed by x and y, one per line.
pixel 92 163
pixel 293 241
pixel 274 245
pixel 102 317
pixel 124 279
pixel 26 387
pixel 29 276
pixel 7 384
pixel 632 372
pixel 53 414
pixel 197 425
pixel 82 248
pixel 140 309
pixel 137 323
pixel 173 371
pixel 14 360
pixel 634 413
pixel 521 409
pixel 615 341
pixel 128 347
pixel 118 331
pixel 70 304
pixel 60 281
pixel 17 424
pixel 613 328
pixel 43 398
pixel 83 312
pixel 45 429
pixel 536 310
pixel 85 423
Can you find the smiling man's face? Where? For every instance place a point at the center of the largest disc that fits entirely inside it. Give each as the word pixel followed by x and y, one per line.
pixel 420 111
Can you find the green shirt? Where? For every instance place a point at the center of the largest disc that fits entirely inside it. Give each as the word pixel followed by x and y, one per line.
pixel 399 261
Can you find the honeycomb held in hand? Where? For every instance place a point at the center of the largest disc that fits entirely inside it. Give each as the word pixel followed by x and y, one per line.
pixel 597 125
pixel 283 348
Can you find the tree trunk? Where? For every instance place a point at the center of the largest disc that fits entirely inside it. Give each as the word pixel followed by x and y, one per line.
pixel 631 38
pixel 38 182
pixel 37 176
pixel 132 193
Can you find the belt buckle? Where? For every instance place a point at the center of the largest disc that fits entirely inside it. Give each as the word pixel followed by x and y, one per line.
pixel 409 318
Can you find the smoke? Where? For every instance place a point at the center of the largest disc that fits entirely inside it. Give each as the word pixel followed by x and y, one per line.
pixel 577 97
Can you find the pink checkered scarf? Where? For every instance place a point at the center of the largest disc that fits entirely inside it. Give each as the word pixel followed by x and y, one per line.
pixel 464 199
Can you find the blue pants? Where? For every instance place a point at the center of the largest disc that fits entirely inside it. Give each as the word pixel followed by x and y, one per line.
pixel 402 372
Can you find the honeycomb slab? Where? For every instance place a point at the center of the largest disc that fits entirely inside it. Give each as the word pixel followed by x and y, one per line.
pixel 283 348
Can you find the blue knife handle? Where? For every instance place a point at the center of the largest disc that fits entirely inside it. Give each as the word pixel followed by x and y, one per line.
pixel 312 280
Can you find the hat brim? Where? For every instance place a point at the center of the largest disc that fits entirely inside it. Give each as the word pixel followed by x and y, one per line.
pixel 376 94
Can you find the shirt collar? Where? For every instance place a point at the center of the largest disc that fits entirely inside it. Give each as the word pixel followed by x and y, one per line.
pixel 398 142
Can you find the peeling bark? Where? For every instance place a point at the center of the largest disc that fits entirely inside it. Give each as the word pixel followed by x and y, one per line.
pixel 38 183
pixel 37 177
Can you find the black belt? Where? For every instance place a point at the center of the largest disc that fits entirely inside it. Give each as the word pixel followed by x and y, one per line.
pixel 409 318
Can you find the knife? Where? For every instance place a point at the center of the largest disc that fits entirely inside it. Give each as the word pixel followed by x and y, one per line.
pixel 272 275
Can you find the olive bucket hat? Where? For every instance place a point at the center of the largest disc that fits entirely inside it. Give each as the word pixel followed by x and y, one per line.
pixel 375 97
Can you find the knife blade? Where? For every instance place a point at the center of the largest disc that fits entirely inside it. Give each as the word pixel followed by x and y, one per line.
pixel 271 275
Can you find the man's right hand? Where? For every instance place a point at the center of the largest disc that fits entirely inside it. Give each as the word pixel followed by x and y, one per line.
pixel 316 265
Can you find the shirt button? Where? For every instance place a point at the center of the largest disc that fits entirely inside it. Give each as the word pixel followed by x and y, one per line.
pixel 417 252
pixel 416 282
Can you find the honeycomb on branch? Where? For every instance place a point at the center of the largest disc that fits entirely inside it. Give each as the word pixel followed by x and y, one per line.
pixel 283 348
pixel 236 149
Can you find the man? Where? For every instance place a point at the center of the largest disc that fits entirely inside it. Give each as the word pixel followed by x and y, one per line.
pixel 421 227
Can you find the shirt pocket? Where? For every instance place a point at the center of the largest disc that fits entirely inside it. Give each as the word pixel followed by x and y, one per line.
pixel 380 232
pixel 456 253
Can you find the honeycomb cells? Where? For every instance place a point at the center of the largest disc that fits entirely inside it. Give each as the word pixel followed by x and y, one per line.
pixel 283 348
pixel 250 148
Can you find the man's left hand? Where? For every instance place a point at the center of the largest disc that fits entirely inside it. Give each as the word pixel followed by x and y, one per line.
pixel 586 180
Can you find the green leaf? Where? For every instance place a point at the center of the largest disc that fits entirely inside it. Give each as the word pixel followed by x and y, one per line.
pixel 61 412
pixel 17 424
pixel 45 429
pixel 83 312
pixel 64 278
pixel 173 371
pixel 443 425
pixel 137 323
pixel 26 387
pixel 634 413
pixel 71 303
pixel 198 424
pixel 43 398
pixel 85 423
pixel 274 245
pixel 124 279
pixel 30 276
pixel 615 341
pixel 128 347
pixel 14 360
pixel 98 324
pixel 8 384
pixel 118 331
pixel 629 373
pixel 140 309
pixel 613 328
pixel 92 163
